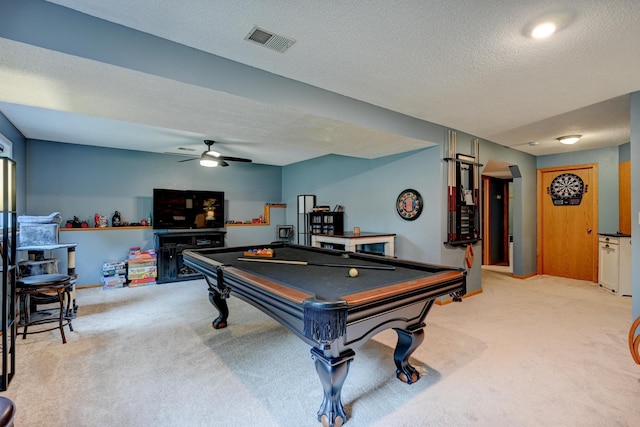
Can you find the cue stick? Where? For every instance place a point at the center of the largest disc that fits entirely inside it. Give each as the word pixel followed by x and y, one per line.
pixel 292 262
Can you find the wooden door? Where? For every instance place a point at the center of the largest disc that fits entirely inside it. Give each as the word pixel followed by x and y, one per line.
pixel 568 230
pixel 624 197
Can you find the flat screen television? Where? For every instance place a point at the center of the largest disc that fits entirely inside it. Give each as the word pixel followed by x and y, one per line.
pixel 187 209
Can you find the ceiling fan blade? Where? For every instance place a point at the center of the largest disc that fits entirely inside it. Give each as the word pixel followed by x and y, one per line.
pixel 236 159
pixel 222 163
pixel 188 160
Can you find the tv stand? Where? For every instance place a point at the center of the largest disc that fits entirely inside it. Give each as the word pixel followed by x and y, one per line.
pixel 169 247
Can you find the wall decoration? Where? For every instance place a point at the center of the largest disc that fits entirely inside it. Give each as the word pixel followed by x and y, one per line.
pixel 409 204
pixel 567 189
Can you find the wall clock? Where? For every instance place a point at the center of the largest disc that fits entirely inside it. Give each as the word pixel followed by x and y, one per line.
pixel 409 204
pixel 567 189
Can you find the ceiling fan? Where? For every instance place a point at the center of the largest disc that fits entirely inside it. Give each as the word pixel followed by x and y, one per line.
pixel 210 158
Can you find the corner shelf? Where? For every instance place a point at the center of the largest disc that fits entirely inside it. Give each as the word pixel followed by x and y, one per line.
pixel 266 217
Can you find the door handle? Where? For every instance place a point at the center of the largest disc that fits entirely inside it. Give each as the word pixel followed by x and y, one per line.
pixel 589 230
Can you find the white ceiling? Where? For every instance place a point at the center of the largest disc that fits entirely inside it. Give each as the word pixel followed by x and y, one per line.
pixel 464 65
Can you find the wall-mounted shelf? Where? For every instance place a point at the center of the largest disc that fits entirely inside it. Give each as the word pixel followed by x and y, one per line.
pixel 135 227
pixel 266 217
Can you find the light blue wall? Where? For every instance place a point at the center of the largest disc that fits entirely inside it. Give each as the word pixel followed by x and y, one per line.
pixel 607 160
pixel 634 156
pixel 79 180
pixel 624 152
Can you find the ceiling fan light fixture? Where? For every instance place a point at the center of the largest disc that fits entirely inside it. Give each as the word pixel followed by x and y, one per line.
pixel 208 163
pixel 211 158
pixel 569 139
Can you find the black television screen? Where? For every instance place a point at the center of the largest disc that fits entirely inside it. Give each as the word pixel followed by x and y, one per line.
pixel 187 209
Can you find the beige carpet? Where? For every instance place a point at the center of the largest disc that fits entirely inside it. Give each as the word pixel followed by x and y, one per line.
pixel 538 352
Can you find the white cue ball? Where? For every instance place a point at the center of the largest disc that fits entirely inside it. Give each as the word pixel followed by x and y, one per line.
pixel 353 272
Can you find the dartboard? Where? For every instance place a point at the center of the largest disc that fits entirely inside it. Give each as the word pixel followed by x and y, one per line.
pixel 567 189
pixel 409 204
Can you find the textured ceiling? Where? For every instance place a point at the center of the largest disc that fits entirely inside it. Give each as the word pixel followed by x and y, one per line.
pixel 464 65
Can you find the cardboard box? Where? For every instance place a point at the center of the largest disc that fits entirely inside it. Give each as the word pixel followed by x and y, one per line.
pixel 112 282
pixel 114 268
pixel 142 282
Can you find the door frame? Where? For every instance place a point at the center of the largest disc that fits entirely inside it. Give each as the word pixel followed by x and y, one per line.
pixel 486 213
pixel 593 187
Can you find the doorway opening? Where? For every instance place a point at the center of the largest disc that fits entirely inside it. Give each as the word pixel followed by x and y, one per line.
pixel 497 216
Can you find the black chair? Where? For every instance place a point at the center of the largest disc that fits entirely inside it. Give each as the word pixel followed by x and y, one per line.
pixel 7 412
pixel 45 289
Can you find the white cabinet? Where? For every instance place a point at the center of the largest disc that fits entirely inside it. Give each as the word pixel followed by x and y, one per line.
pixel 608 257
pixel 624 276
pixel 614 264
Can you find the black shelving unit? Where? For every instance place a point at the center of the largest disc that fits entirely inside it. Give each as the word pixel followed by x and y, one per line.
pixel 169 247
pixel 326 222
pixel 8 254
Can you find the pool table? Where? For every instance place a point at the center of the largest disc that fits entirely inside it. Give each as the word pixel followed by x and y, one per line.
pixel 309 291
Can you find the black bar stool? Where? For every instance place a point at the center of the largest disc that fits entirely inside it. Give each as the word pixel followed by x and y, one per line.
pixel 7 412
pixel 45 289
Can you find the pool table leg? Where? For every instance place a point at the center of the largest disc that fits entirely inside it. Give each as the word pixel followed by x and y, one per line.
pixel 408 341
pixel 332 372
pixel 219 301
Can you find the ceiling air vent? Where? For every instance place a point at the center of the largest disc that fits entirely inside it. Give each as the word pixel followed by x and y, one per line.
pixel 269 39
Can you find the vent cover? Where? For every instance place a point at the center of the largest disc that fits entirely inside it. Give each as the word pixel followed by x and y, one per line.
pixel 268 39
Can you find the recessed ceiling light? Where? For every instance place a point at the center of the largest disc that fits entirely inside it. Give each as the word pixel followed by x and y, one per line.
pixel 569 139
pixel 543 30
pixel 548 23
pixel 532 143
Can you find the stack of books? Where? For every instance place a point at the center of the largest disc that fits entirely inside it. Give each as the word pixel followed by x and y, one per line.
pixel 142 267
pixel 114 274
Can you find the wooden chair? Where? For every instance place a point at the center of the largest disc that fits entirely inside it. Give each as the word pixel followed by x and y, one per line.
pixel 634 341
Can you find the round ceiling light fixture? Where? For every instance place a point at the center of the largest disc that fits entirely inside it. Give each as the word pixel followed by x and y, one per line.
pixel 569 139
pixel 543 30
pixel 548 23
